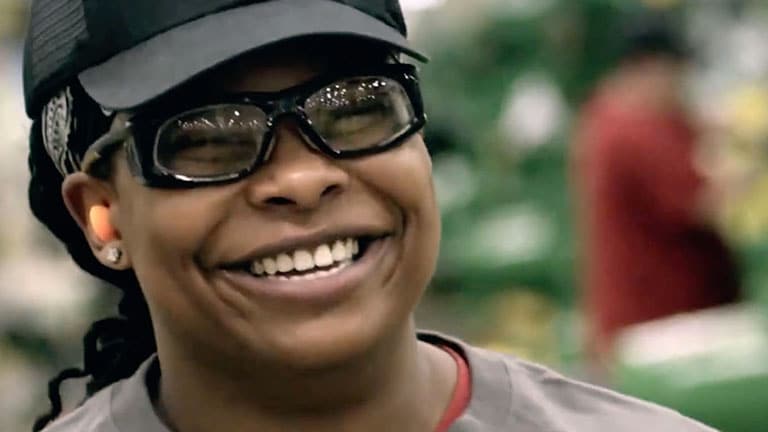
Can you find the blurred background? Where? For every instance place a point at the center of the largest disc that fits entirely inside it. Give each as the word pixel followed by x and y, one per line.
pixel 603 178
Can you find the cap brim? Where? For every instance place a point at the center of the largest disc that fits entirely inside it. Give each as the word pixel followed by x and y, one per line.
pixel 150 69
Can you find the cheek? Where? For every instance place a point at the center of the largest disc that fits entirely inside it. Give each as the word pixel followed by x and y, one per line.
pixel 411 184
pixel 404 178
pixel 163 232
pixel 164 236
pixel 169 223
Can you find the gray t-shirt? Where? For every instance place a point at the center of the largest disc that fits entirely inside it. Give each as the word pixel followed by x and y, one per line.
pixel 507 395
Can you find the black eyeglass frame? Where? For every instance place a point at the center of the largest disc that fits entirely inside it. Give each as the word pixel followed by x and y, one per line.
pixel 145 125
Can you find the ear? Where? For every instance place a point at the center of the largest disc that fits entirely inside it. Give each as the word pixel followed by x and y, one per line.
pixel 92 203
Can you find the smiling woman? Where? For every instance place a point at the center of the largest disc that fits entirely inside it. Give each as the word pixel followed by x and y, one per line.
pixel 252 176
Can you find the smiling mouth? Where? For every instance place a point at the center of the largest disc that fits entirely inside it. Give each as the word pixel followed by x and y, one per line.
pixel 307 263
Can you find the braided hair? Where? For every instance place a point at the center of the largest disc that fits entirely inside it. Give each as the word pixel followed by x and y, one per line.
pixel 113 347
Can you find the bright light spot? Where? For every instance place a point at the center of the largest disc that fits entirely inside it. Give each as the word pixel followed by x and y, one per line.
pixel 534 111
pixel 418 5
pixel 522 8
pixel 511 234
pixel 455 181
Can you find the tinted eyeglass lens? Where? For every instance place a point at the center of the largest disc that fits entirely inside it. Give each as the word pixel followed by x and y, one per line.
pixel 211 141
pixel 360 113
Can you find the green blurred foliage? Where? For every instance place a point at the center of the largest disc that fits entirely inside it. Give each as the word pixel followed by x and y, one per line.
pixel 465 84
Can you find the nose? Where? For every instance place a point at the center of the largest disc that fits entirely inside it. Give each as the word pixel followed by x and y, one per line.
pixel 296 176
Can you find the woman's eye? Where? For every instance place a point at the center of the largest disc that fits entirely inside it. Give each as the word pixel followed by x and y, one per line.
pixel 358 120
pixel 355 123
pixel 214 151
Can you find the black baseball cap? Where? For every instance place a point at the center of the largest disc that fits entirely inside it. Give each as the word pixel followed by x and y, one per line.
pixel 128 52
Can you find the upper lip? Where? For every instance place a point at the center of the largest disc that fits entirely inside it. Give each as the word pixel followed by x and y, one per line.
pixel 305 241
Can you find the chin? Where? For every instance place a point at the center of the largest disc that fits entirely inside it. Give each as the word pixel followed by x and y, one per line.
pixel 320 344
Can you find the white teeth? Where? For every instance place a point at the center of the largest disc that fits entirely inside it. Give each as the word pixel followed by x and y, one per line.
pixel 350 246
pixel 257 268
pixel 323 256
pixel 270 266
pixel 314 275
pixel 339 251
pixel 303 260
pixel 284 263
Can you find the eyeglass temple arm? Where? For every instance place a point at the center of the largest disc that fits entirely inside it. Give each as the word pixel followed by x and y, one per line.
pixel 103 146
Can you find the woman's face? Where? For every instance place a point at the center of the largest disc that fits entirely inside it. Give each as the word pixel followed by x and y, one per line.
pixel 183 244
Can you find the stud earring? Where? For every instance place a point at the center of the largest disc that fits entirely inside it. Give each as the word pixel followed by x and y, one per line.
pixel 114 254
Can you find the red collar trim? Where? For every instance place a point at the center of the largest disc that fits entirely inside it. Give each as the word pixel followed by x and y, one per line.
pixel 461 393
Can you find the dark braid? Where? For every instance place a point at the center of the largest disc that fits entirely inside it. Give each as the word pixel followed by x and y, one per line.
pixel 113 347
pixel 55 397
pixel 120 344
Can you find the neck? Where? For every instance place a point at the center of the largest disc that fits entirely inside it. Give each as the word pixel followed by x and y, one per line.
pixel 402 384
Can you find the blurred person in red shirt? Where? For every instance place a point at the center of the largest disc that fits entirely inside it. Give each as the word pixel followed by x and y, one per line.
pixel 649 249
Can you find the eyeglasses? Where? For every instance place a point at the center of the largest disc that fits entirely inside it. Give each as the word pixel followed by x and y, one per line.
pixel 227 137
